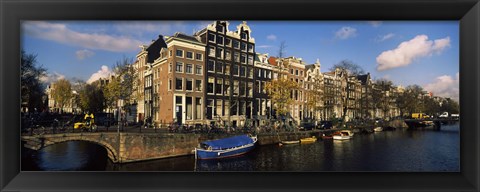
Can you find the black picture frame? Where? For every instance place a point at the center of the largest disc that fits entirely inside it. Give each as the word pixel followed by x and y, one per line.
pixel 12 12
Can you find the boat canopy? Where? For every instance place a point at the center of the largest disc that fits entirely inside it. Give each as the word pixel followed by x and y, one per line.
pixel 229 142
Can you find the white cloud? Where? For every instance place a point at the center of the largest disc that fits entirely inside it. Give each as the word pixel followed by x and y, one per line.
pixel 62 34
pixel 263 46
pixel 52 77
pixel 272 37
pixel 346 32
pixel 445 86
pixel 104 72
pixel 375 23
pixel 385 37
pixel 410 50
pixel 83 54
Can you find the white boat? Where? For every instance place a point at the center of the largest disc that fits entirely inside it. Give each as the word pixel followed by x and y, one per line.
pixel 347 133
pixel 378 129
pixel 341 137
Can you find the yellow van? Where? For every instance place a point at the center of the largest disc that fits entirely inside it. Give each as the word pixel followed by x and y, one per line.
pixel 420 116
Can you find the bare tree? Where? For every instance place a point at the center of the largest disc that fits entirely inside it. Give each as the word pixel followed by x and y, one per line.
pixel 281 49
pixel 351 67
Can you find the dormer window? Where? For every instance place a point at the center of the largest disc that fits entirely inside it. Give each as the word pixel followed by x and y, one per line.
pixel 220 28
pixel 244 35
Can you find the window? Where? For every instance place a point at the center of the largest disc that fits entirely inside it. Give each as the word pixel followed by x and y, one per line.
pixel 198 70
pixel 211 66
pixel 170 53
pixel 198 85
pixel 220 40
pixel 211 81
pixel 250 90
pixel 170 68
pixel 209 113
pixel 211 51
pixel 236 44
pixel 179 53
pixel 198 56
pixel 228 55
pixel 250 73
pixel 235 70
pixel 226 105
pixel 220 28
pixel 234 108
pixel 250 48
pixel 244 35
pixel 259 74
pixel 291 71
pixel 236 57
pixel 235 88
pixel 263 87
pixel 189 104
pixel 242 108
pixel 243 58
pixel 228 42
pixel 219 53
pixel 179 67
pixel 189 85
pixel 219 87
pixel 189 68
pixel 227 69
pixel 242 88
pixel 189 55
pixel 242 71
pixel 296 72
pixel 198 111
pixel 179 84
pixel 218 107
pixel 257 85
pixel 219 67
pixel 301 73
pixel 211 37
pixel 226 90
pixel 243 47
pixel 250 59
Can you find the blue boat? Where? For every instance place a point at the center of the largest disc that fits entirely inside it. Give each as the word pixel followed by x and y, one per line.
pixel 227 147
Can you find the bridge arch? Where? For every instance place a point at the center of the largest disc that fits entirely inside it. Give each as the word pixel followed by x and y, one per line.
pixel 48 140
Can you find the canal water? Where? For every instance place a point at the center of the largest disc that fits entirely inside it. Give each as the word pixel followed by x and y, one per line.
pixel 421 150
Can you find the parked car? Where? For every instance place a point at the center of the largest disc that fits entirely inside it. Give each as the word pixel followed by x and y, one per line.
pixel 325 125
pixel 305 126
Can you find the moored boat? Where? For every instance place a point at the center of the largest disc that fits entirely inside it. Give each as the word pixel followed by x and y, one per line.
pixel 378 129
pixel 290 142
pixel 343 135
pixel 226 147
pixel 324 137
pixel 308 139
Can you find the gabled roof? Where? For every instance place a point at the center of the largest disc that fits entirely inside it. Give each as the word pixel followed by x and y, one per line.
pixel 307 67
pixel 153 50
pixel 186 37
pixel 363 78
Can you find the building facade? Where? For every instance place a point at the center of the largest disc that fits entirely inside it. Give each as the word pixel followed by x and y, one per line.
pixel 229 73
pixel 178 81
pixel 263 72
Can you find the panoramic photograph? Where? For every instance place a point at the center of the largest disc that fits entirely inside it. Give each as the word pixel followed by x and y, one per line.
pixel 230 96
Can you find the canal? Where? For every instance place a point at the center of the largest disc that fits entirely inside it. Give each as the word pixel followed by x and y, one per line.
pixel 401 150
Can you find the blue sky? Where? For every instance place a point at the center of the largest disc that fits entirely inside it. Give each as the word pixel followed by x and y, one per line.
pixel 407 52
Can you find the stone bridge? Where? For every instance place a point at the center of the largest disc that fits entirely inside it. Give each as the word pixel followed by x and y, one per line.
pixel 130 147
pixel 124 147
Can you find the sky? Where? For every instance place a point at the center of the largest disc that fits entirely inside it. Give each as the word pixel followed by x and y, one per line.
pixel 425 53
